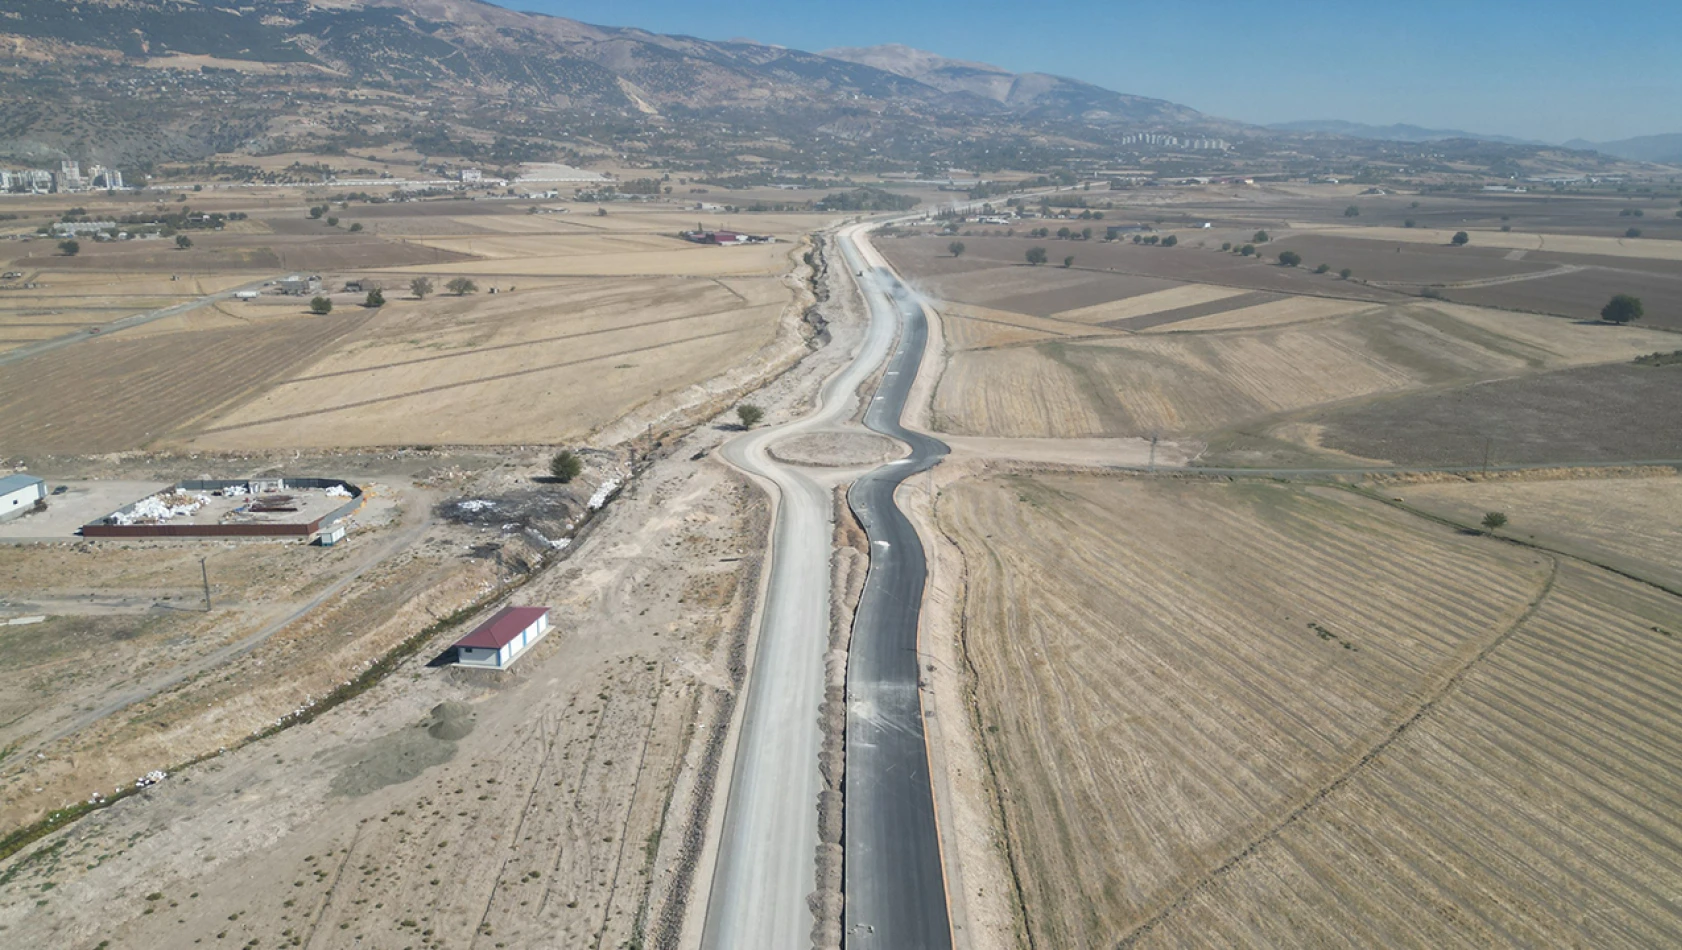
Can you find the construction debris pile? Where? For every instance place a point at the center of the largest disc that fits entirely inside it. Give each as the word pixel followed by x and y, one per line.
pixel 156 509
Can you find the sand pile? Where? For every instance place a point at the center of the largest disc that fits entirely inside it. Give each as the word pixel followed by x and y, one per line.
pixel 451 721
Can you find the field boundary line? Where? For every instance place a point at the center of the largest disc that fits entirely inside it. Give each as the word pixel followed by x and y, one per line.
pixel 1348 774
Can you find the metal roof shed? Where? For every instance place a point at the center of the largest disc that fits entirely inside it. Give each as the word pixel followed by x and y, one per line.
pixel 499 641
pixel 19 493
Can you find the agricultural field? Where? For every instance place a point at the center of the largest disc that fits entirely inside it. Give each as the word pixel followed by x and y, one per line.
pixel 1257 714
pixel 1241 367
pixel 1631 521
pixel 595 316
pixel 1608 413
pixel 1582 294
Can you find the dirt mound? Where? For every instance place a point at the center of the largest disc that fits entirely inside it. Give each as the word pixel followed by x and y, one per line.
pixel 451 721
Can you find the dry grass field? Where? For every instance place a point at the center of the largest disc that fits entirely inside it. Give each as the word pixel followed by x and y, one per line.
pixel 67 301
pixel 546 365
pixel 1241 368
pixel 1631 523
pixel 1252 714
pixel 1583 293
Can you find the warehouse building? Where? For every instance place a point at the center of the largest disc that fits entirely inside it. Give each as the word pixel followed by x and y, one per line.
pixel 19 493
pixel 501 640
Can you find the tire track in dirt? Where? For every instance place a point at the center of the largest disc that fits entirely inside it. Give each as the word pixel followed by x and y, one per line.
pixel 1348 773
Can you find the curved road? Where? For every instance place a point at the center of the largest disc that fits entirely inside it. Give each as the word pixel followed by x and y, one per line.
pixel 767 857
pixel 894 886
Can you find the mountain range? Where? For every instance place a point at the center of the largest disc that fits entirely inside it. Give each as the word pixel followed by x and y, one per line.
pixel 137 82
pixel 1664 149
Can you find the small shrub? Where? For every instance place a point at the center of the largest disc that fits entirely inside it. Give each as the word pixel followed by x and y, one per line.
pixel 321 305
pixel 1494 520
pixel 1323 268
pixel 749 415
pixel 565 466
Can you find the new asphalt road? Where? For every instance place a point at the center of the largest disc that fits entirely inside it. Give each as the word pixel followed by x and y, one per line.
pixel 894 886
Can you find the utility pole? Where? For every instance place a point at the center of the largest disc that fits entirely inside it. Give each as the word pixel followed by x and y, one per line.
pixel 1153 453
pixel 205 572
pixel 1487 442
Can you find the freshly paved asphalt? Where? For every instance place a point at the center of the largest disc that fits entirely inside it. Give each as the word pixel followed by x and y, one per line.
pixel 894 886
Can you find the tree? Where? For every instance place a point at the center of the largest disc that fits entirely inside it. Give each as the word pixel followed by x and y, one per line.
pixel 183 242
pixel 750 415
pixel 1346 273
pixel 1633 233
pixel 601 212
pixel 565 466
pixel 1086 234
pixel 1260 238
pixel 70 248
pixel 316 211
pixel 1289 258
pixel 321 305
pixel 1323 268
pixel 957 248
pixel 1063 234
pixel 332 222
pixel 1226 245
pixel 1170 241
pixel 1069 261
pixel 1493 520
pixel 1247 250
pixel 1461 239
pixel 420 287
pixel 1036 256
pixel 1622 308
pixel 1409 223
pixel 1352 212
pixel 355 226
pixel 461 286
pixel 376 298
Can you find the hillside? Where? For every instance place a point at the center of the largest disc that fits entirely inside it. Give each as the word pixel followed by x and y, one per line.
pixel 134 81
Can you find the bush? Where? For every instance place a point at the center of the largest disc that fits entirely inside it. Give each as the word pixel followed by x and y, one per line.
pixel 1505 228
pixel 1227 245
pixel 183 242
pixel 1461 239
pixel 749 415
pixel 1633 233
pixel 70 248
pixel 1247 250
pixel 957 248
pixel 355 227
pixel 376 298
pixel 1409 223
pixel 1352 212
pixel 1069 261
pixel 321 305
pixel 1493 520
pixel 332 222
pixel 1323 268
pixel 565 466
pixel 1170 241
pixel 1346 273
pixel 1260 238
pixel 1289 258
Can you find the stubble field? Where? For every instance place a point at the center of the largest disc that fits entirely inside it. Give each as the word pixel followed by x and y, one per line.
pixel 1250 714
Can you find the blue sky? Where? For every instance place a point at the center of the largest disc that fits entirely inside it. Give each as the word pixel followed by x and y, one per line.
pixel 1541 69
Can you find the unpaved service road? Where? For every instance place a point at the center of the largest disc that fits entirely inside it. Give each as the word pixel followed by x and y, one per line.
pixel 766 867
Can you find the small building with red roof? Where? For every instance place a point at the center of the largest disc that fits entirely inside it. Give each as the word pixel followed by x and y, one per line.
pixel 499 641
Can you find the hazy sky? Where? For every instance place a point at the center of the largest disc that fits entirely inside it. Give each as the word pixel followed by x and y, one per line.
pixel 1544 69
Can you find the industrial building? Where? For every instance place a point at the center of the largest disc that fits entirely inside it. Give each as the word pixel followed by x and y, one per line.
pixel 19 493
pixel 501 640
pixel 297 285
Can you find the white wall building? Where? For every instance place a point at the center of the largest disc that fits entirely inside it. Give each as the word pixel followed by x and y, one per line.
pixel 499 641
pixel 19 493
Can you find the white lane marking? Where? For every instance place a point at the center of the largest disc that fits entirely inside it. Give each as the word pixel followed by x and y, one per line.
pixel 882 544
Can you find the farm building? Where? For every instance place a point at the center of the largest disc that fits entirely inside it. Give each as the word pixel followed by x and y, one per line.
pixel 297 285
pixel 501 640
pixel 725 238
pixel 19 493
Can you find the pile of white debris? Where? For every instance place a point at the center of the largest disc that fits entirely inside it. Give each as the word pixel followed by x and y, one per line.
pixel 159 508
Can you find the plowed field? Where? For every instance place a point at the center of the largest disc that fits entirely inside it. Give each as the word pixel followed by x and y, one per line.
pixel 1234 714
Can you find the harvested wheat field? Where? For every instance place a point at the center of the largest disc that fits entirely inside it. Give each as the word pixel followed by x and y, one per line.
pixel 1223 714
pixel 536 365
pixel 121 393
pixel 1194 383
pixel 1631 523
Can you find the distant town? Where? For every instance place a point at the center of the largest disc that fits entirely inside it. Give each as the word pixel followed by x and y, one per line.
pixel 69 178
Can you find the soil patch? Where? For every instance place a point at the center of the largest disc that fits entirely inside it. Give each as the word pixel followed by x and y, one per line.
pixel 836 449
pixel 394 759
